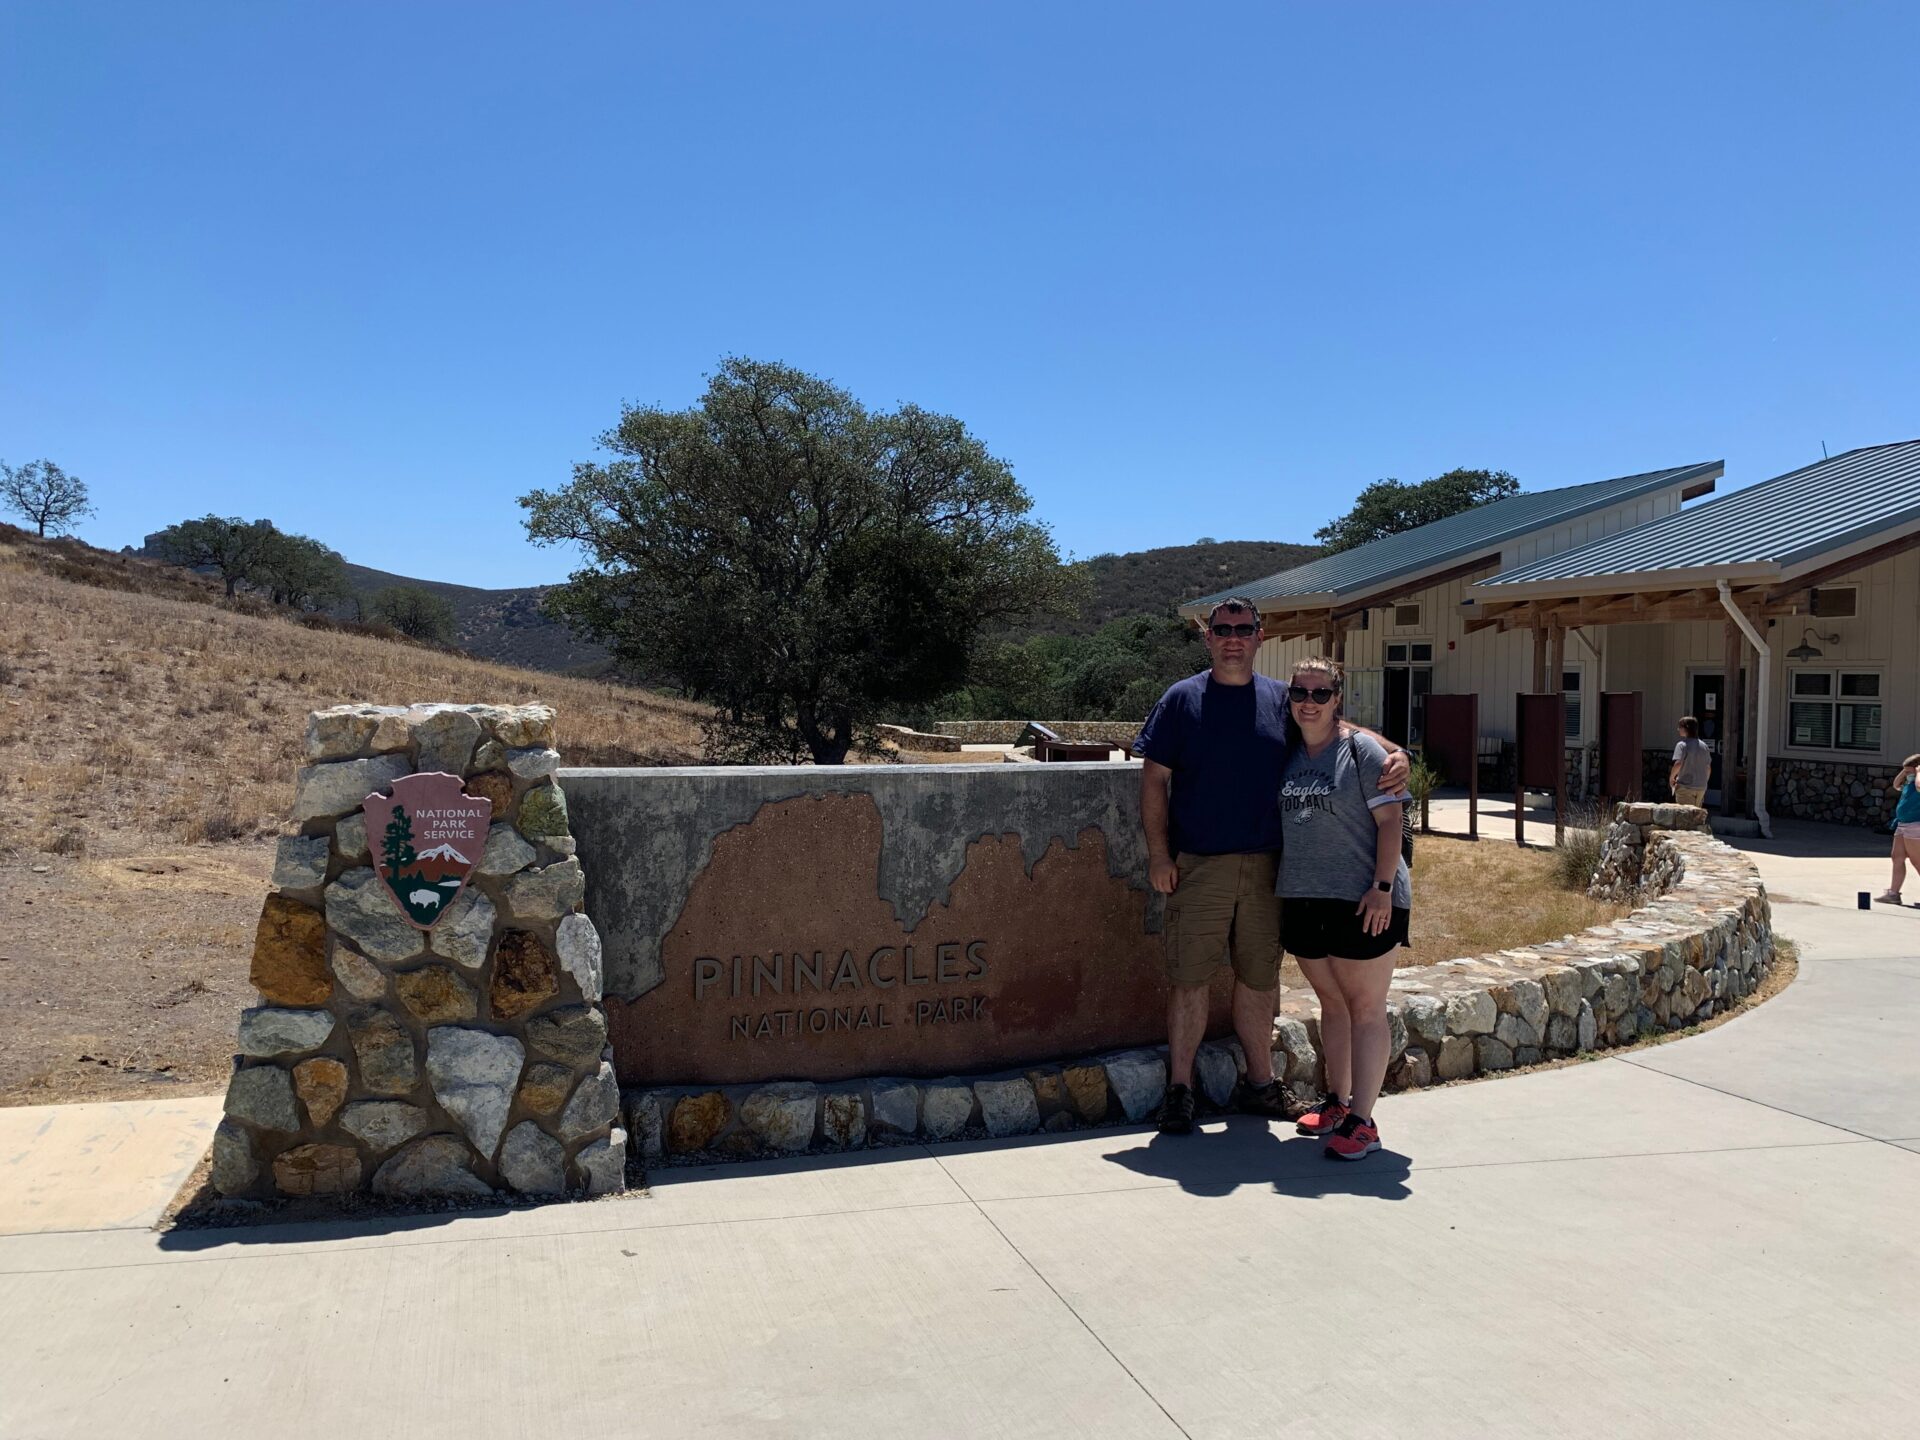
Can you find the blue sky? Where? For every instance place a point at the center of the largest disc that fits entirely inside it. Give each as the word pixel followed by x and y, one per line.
pixel 374 270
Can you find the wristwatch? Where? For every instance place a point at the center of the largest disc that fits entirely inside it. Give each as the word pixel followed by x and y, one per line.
pixel 1386 885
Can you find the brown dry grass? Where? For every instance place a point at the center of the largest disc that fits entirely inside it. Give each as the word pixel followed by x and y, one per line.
pixel 130 718
pixel 1470 897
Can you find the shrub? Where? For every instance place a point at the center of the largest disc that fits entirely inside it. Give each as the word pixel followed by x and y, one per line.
pixel 1577 855
pixel 1422 781
pixel 68 841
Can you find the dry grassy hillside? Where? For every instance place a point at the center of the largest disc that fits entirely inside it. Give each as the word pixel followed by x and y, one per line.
pixel 148 742
pixel 129 720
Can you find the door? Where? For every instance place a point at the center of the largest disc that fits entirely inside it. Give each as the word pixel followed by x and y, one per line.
pixel 1407 680
pixel 1710 708
pixel 1393 723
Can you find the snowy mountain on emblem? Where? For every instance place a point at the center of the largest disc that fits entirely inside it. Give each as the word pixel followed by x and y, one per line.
pixel 444 852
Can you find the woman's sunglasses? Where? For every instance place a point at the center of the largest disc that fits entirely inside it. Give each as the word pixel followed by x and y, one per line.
pixel 1319 695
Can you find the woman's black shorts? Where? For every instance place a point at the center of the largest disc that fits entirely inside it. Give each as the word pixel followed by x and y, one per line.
pixel 1315 929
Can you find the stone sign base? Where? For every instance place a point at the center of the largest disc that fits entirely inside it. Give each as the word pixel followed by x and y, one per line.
pixel 462 1059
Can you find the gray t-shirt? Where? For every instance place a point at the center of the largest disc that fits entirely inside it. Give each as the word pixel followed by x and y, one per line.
pixel 1326 812
pixel 1695 762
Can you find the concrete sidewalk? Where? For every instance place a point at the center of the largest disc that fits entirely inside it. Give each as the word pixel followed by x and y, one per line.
pixel 1710 1237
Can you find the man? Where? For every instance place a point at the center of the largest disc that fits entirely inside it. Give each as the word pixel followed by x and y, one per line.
pixel 1692 765
pixel 1215 748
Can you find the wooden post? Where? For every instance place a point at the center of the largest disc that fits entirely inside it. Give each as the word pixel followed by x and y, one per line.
pixel 1556 678
pixel 1751 725
pixel 1539 659
pixel 1326 638
pixel 1732 698
pixel 1339 650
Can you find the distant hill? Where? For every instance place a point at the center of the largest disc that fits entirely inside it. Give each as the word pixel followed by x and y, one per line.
pixel 1149 582
pixel 506 626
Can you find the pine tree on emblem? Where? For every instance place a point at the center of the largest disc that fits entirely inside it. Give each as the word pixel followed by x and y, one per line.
pixel 397 850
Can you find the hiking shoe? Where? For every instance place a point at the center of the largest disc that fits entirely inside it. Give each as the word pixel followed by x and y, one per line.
pixel 1269 1100
pixel 1324 1118
pixel 1888 897
pixel 1176 1111
pixel 1355 1139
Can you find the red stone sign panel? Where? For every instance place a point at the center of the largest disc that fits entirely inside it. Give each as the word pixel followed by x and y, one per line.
pixel 785 961
pixel 426 838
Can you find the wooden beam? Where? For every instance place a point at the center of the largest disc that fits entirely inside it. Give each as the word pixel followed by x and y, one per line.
pixel 1539 659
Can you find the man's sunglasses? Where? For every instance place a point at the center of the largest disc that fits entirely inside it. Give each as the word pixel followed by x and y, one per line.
pixel 1235 632
pixel 1319 695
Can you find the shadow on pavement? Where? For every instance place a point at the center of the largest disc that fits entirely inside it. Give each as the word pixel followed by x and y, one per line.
pixel 1249 1151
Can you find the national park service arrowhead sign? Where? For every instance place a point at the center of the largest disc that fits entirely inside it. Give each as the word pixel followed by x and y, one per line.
pixel 426 838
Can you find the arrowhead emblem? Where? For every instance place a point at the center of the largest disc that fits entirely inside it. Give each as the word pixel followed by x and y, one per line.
pixel 426 838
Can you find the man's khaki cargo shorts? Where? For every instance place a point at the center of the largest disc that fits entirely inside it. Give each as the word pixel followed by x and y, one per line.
pixel 1224 905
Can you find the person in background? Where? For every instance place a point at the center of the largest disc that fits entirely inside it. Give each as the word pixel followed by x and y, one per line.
pixel 1906 829
pixel 1692 765
pixel 1214 747
pixel 1345 901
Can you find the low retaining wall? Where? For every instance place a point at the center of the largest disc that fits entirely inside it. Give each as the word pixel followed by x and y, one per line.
pixel 459 1060
pixel 1700 945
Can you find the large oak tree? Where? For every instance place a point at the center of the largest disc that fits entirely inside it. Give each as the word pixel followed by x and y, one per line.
pixel 801 562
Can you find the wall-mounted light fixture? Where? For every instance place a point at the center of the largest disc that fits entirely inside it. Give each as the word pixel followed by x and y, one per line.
pixel 1804 651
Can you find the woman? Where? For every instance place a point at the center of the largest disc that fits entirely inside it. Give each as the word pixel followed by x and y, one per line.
pixel 1906 829
pixel 1345 899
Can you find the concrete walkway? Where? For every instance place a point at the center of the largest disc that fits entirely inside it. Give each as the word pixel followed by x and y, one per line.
pixel 1712 1237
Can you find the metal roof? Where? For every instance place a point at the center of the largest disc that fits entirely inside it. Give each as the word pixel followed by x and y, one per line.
pixel 1367 568
pixel 1766 529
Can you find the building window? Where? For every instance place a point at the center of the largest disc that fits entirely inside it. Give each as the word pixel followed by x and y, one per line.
pixel 1570 687
pixel 1833 710
pixel 1836 602
pixel 1407 617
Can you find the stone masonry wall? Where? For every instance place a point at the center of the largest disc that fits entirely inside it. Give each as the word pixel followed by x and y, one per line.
pixel 1703 941
pixel 1840 791
pixel 464 1060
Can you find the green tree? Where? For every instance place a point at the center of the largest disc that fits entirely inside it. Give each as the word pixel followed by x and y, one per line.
pixel 1116 673
pixel 805 564
pixel 48 497
pixel 298 570
pixel 227 545
pixel 396 848
pixel 417 613
pixel 1387 507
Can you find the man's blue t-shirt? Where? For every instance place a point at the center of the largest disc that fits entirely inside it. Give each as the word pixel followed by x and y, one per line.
pixel 1227 747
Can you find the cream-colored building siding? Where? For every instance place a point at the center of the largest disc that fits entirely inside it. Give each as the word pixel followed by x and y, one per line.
pixel 1589 528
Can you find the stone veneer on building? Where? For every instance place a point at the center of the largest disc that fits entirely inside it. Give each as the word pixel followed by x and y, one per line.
pixel 1701 942
pixel 465 1060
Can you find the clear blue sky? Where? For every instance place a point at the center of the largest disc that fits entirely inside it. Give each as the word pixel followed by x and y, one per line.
pixel 1192 270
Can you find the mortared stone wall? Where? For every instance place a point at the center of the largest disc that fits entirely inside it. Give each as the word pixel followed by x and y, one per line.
pixel 464 1060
